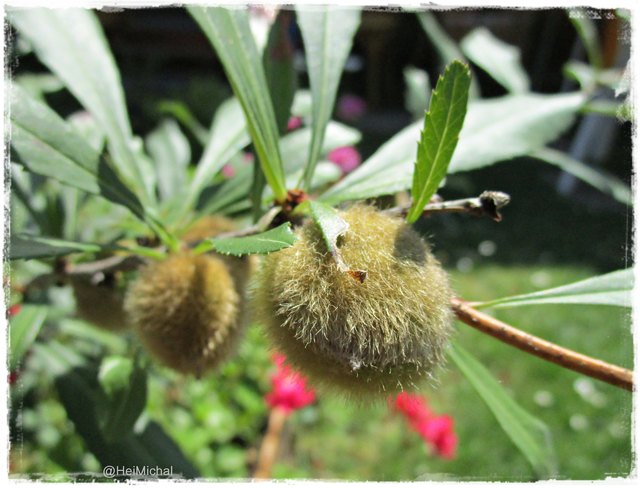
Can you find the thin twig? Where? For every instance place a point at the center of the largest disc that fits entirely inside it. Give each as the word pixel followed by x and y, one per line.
pixel 488 204
pixel 614 375
pixel 270 443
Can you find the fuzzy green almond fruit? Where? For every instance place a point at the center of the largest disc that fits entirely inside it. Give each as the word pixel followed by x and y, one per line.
pixel 380 336
pixel 187 311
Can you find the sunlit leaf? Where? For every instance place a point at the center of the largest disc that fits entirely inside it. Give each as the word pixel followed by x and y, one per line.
pixel 605 183
pixel 327 33
pixel 230 34
pixel 262 243
pixel 438 140
pixel 71 43
pixel 499 59
pixel 531 436
pixel 613 288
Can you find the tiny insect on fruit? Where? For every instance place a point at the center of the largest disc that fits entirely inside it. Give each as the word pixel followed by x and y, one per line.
pixel 383 335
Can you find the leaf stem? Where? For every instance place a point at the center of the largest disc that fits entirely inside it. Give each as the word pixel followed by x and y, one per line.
pixel 489 204
pixel 600 370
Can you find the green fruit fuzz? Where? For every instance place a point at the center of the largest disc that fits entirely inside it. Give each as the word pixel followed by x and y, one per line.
pixel 381 336
pixel 186 311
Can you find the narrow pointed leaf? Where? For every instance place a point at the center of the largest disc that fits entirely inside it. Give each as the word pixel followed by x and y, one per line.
pixel 227 136
pixel 442 125
pixel 263 243
pixel 49 146
pixel 34 247
pixel 71 43
pixel 278 60
pixel 327 33
pixel 169 148
pixel 530 435
pixel 230 34
pixel 613 288
pixel 446 47
pixel 494 130
pixel 499 59
pixel 605 183
pixel 23 330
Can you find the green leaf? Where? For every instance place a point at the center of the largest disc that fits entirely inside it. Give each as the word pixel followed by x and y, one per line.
pixel 263 243
pixel 227 136
pixel 48 146
pixel 327 33
pixel 499 59
pixel 445 46
pixel 23 330
pixel 279 68
pixel 588 34
pixel 80 394
pixel 171 152
pixel 531 436
pixel 293 145
pixel 442 125
pixel 416 95
pixel 331 224
pixel 511 126
pixel 32 247
pixel 494 130
pixel 230 34
pixel 605 183
pixel 71 43
pixel 181 112
pixel 39 84
pixel 613 288
pixel 114 374
pixel 125 385
pixel 232 190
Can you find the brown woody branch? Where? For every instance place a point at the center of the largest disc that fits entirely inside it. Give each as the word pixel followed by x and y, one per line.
pixel 609 373
pixel 487 204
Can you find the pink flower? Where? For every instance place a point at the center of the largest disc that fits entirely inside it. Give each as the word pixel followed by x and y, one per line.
pixel 289 388
pixel 228 171
pixel 346 157
pixel 351 107
pixel 435 430
pixel 294 123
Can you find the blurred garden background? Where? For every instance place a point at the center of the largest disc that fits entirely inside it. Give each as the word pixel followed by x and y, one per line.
pixel 556 230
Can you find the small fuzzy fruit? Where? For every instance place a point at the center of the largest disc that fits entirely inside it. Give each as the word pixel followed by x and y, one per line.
pixel 186 310
pixel 100 304
pixel 212 225
pixel 208 226
pixel 375 337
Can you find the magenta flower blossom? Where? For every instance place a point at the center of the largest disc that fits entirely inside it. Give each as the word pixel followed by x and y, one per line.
pixel 351 107
pixel 294 123
pixel 346 157
pixel 436 430
pixel 289 389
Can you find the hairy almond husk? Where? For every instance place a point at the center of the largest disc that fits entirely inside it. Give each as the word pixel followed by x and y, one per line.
pixel 213 225
pixel 101 304
pixel 380 336
pixel 187 311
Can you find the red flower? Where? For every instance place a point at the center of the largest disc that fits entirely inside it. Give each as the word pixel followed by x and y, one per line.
pixel 228 171
pixel 346 157
pixel 435 430
pixel 289 388
pixel 14 309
